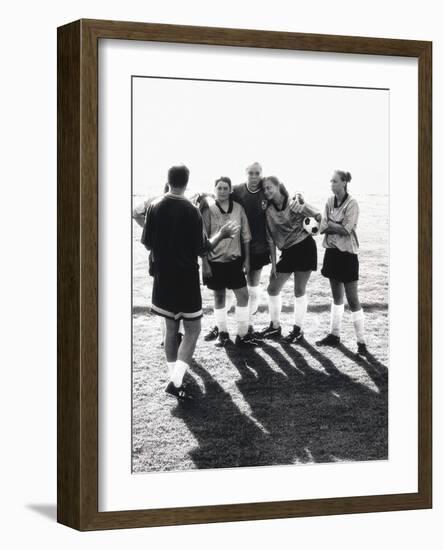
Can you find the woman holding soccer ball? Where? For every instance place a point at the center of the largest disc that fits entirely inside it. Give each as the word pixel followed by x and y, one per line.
pixel 340 264
pixel 285 231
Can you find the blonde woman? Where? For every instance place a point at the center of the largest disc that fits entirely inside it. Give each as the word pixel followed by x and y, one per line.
pixel 340 264
pixel 284 226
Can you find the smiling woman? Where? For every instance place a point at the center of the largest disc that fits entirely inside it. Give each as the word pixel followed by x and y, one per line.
pixel 227 263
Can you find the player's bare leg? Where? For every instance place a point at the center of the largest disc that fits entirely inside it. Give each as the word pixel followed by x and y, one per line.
pixel 337 309
pixel 351 290
pixel 253 279
pixel 274 301
pixel 301 279
pixel 184 356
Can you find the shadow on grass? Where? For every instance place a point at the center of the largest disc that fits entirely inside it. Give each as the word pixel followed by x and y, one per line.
pixel 286 308
pixel 295 413
pixel 226 437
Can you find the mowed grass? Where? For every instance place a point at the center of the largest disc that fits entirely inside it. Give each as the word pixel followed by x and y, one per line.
pixel 278 404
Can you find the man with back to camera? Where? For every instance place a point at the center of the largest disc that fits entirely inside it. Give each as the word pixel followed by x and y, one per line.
pixel 173 231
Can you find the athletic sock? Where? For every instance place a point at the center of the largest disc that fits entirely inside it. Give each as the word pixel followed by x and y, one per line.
pixel 242 317
pixel 300 308
pixel 221 319
pixel 253 301
pixel 178 373
pixel 336 318
pixel 274 309
pixel 171 366
pixel 358 319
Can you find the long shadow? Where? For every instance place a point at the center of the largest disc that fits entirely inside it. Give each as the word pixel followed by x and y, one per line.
pixel 312 415
pixel 375 369
pixel 315 308
pixel 226 437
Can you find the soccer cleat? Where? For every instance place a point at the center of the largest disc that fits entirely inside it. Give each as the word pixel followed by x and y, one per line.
pixel 246 341
pixel 329 340
pixel 362 349
pixel 295 335
pixel 270 332
pixel 223 339
pixel 212 335
pixel 181 393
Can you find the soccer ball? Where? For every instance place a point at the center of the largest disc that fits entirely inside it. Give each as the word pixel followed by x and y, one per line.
pixel 311 226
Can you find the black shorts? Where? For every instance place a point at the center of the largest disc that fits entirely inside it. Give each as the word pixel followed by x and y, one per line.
pixel 299 257
pixel 177 295
pixel 341 266
pixel 226 275
pixel 257 261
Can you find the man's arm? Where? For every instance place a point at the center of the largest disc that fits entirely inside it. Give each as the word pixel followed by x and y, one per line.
pixel 228 231
pixel 203 243
pixel 139 213
pixel 148 229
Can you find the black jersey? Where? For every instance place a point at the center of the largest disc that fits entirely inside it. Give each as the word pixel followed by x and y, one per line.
pixel 255 205
pixel 173 230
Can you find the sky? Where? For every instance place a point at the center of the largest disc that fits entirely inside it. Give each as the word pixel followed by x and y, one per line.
pixel 300 134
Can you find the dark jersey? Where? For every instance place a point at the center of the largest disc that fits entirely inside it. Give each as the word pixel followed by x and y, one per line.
pixel 173 231
pixel 255 207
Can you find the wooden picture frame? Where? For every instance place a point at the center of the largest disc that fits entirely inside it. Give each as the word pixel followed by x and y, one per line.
pixel 77 456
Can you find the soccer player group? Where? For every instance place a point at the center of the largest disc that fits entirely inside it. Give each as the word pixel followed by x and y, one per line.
pixel 236 232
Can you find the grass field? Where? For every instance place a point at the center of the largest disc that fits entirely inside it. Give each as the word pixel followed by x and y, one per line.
pixel 278 404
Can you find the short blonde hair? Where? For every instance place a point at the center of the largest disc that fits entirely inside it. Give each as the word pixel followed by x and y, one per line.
pixel 255 164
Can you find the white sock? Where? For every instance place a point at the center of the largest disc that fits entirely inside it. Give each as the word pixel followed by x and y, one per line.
pixel 181 327
pixel 300 308
pixel 336 317
pixel 359 325
pixel 253 301
pixel 178 373
pixel 242 317
pixel 171 366
pixel 221 319
pixel 274 309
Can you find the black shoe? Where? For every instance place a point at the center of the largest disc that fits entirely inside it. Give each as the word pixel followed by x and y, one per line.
pixel 246 341
pixel 270 332
pixel 182 393
pixel 212 335
pixel 223 339
pixel 295 335
pixel 362 349
pixel 329 340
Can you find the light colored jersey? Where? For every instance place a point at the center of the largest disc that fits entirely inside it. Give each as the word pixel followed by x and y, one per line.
pixel 214 218
pixel 284 228
pixel 346 214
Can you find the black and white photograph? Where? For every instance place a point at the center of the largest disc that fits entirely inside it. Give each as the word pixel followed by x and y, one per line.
pixel 260 277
